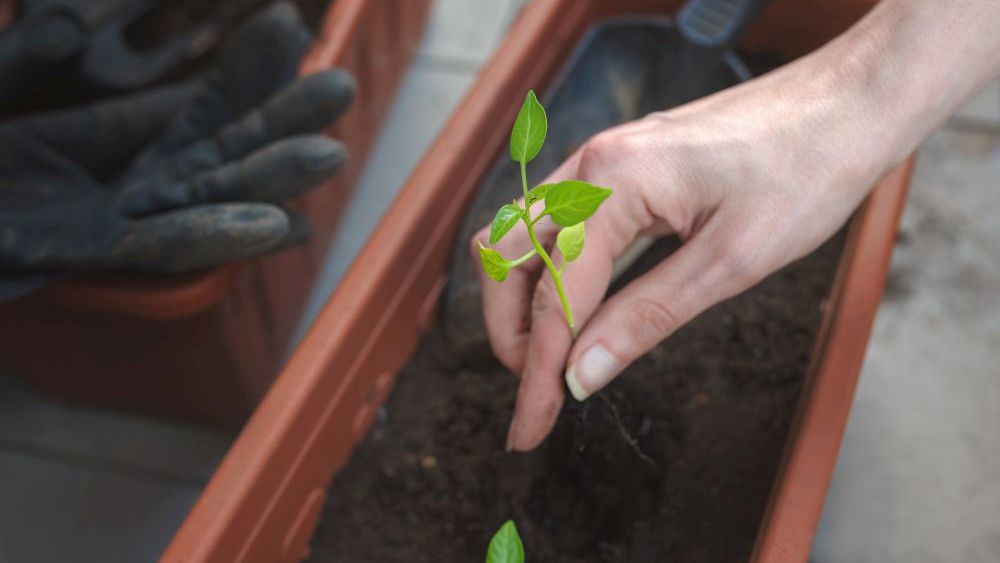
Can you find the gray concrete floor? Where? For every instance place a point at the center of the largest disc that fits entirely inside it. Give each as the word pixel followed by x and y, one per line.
pixel 918 479
pixel 919 473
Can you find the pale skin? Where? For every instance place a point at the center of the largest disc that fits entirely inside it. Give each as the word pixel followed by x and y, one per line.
pixel 750 179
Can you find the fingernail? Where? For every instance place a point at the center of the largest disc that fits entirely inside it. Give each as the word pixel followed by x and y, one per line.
pixel 595 369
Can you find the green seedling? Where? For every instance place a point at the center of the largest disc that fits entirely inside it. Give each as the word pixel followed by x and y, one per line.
pixel 506 547
pixel 567 203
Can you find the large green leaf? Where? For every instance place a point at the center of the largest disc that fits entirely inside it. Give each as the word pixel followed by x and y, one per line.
pixel 506 547
pixel 504 221
pixel 573 201
pixel 528 134
pixel 570 242
pixel 494 263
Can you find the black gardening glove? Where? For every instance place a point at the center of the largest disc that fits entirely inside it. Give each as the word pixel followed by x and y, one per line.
pixel 214 159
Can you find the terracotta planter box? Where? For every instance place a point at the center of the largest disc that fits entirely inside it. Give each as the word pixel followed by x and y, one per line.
pixel 206 346
pixel 264 500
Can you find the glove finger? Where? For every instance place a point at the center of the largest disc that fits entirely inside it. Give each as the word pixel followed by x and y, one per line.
pixel 262 58
pixel 103 137
pixel 202 236
pixel 277 172
pixel 307 106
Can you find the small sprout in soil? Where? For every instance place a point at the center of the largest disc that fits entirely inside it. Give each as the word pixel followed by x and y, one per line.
pixel 506 547
pixel 568 204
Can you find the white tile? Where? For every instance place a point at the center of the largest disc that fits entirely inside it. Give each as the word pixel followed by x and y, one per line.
pixel 54 512
pixel 465 29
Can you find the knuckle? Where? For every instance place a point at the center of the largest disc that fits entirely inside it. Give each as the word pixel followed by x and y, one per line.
pixel 740 259
pixel 608 151
pixel 652 320
pixel 599 150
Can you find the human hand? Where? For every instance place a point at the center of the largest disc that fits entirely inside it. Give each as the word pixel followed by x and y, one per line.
pixel 214 160
pixel 750 179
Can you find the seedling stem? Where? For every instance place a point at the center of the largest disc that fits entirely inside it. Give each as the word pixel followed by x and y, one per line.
pixel 568 204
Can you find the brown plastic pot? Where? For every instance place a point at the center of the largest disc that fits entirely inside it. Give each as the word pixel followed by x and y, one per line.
pixel 205 346
pixel 263 501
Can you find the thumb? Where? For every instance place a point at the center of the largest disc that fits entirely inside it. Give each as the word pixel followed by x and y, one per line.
pixel 648 310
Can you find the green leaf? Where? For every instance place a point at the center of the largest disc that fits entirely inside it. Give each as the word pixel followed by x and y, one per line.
pixel 570 242
pixel 572 201
pixel 505 219
pixel 493 263
pixel 528 134
pixel 536 194
pixel 506 547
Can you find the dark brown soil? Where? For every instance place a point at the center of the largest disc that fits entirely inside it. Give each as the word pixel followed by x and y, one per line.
pixel 710 407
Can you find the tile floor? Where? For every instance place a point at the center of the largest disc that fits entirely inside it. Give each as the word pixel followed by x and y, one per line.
pixel 919 474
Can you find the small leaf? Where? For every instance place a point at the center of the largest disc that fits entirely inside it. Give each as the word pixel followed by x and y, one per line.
pixel 536 194
pixel 505 219
pixel 493 263
pixel 528 134
pixel 572 201
pixel 570 242
pixel 506 546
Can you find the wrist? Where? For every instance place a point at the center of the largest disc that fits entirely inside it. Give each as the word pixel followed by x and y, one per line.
pixel 841 133
pixel 904 68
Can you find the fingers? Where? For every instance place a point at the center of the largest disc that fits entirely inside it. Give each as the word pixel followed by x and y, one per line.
pixel 200 237
pixel 307 106
pixel 274 173
pixel 651 308
pixel 101 138
pixel 540 394
pixel 261 59
pixel 506 305
pixel 264 54
pixel 277 172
